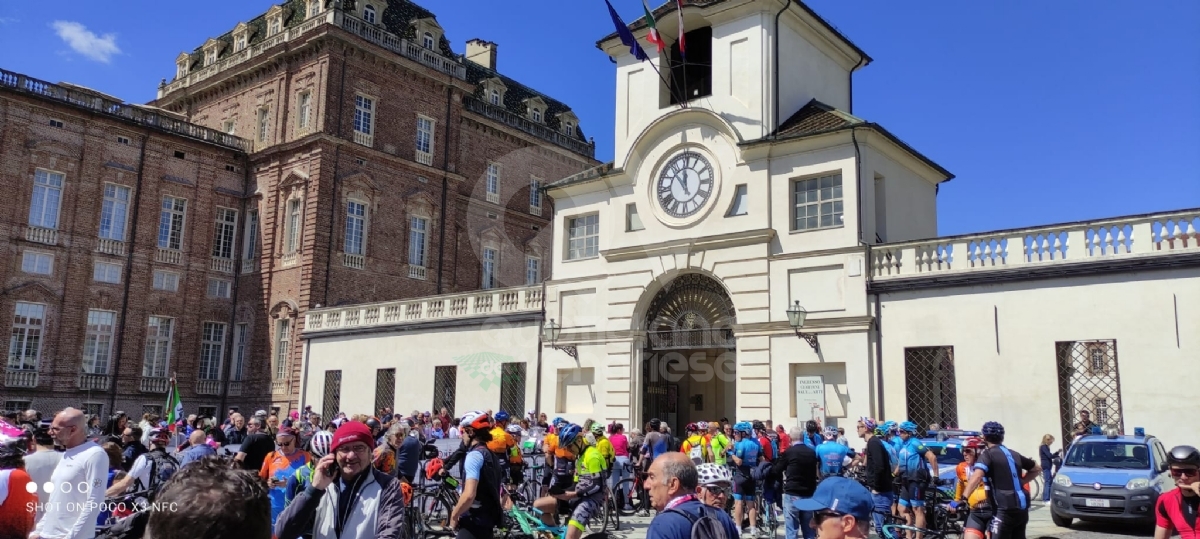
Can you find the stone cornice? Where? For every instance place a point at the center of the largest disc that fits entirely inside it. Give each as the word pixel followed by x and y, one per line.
pixel 721 241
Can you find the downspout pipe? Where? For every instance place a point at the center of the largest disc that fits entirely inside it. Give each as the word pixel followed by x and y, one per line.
pixel 879 355
pixel 775 113
pixel 237 267
pixel 337 158
pixel 133 228
pixel 445 186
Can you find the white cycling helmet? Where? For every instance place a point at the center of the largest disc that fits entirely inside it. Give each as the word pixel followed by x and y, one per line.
pixel 831 433
pixel 320 443
pixel 713 474
pixel 513 429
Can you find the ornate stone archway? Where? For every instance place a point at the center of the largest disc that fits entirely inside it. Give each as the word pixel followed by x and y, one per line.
pixel 691 311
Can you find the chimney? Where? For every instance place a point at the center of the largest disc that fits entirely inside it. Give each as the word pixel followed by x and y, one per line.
pixel 482 52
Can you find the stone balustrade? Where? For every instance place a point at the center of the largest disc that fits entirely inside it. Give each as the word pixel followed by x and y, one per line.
pixel 94 382
pixel 154 385
pixel 37 234
pixel 223 265
pixel 20 378
pixel 411 311
pixel 208 387
pixel 1159 234
pixel 110 247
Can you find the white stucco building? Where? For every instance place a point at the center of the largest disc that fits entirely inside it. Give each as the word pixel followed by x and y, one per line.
pixel 675 266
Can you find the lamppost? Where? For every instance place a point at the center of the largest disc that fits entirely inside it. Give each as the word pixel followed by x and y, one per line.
pixel 796 316
pixel 550 334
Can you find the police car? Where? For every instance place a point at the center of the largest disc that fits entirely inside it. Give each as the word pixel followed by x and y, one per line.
pixel 1110 478
pixel 947 447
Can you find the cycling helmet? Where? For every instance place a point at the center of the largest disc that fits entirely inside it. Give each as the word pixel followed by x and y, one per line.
pixel 758 425
pixel 992 428
pixel 655 424
pixel 973 443
pixel 597 429
pixel 691 427
pixel 502 416
pixel 713 474
pixel 373 424
pixel 320 443
pixel 433 467
pixel 475 419
pixel 909 427
pixel 831 433
pixel 568 434
pixel 514 429
pixel 889 427
pixel 558 421
pixel 868 422
pixel 1184 455
pixel 702 426
pixel 743 427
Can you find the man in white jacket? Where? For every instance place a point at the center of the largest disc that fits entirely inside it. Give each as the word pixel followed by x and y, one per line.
pixel 348 498
pixel 72 511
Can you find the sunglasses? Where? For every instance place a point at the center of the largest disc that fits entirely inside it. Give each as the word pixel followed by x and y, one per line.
pixel 821 516
pixel 1184 472
pixel 717 490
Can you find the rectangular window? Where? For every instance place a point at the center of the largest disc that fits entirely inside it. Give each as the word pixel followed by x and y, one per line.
pixel 356 222
pixel 212 347
pixel 251 239
pixel 56 123
pixel 276 26
pixel 633 222
pixel 304 108
pixel 535 196
pixel 424 135
pixel 332 402
pixel 293 226
pixel 364 115
pixel 170 223
pixel 417 231
pixel 282 328
pixel 739 205
pixel 445 385
pixel 493 182
pixel 817 203
pixel 37 263
pixel 113 212
pixel 219 288
pixel 25 342
pixel 47 196
pixel 166 280
pixel 533 270
pixel 583 237
pixel 229 127
pixel 157 360
pixel 512 386
pixel 106 272
pixel 239 356
pixel 97 346
pixel 239 43
pixel 385 388
pixel 931 385
pixel 223 235
pixel 1102 411
pixel 123 140
pixel 263 117
pixel 489 269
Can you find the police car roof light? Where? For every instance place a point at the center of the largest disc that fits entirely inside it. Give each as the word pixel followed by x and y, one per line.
pixel 1139 431
pixel 1096 429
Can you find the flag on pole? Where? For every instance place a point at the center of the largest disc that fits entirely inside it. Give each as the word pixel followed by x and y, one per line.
pixel 174 407
pixel 653 37
pixel 679 12
pixel 626 36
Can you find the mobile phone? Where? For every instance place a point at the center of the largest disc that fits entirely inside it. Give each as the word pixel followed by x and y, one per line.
pixel 331 470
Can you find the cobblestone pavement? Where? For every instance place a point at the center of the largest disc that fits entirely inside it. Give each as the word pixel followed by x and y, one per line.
pixel 1040 526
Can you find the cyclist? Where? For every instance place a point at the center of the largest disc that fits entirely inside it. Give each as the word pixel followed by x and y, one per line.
pixel 980 510
pixel 914 474
pixel 603 445
pixel 501 443
pixel 550 450
pixel 516 461
pixel 718 443
pixel 1176 510
pixel 1000 468
pixel 655 444
pixel 831 454
pixel 746 451
pixel 714 485
pixel 889 434
pixel 693 445
pixel 479 509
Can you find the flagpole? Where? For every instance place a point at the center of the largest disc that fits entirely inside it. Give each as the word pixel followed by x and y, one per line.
pixel 682 53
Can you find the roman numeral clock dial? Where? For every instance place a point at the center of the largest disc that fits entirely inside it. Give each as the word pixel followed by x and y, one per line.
pixel 685 185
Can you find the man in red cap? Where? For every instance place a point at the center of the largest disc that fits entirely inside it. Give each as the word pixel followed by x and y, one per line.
pixel 348 498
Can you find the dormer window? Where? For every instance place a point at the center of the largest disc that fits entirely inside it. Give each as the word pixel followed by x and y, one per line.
pixel 212 49
pixel 314 8
pixel 182 63
pixel 369 13
pixel 274 20
pixel 536 108
pixel 241 37
pixel 569 128
pixel 493 91
pixel 567 122
pixel 427 32
pixel 427 40
pixel 276 26
pixel 239 43
pixel 494 97
pixel 536 115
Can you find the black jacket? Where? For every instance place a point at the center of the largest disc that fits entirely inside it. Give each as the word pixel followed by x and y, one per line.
pixel 799 467
pixel 879 466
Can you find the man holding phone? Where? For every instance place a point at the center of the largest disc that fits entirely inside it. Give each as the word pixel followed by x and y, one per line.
pixel 281 464
pixel 348 498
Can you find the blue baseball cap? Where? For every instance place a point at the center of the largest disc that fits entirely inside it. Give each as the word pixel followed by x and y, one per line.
pixel 840 494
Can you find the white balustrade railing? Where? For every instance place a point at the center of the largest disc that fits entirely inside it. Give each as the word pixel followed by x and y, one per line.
pixel 223 265
pixel 208 387
pixel 499 301
pixel 249 265
pixel 110 247
pixel 364 139
pixel 354 261
pixel 20 378
pixel 1124 237
pixel 289 259
pixel 424 158
pixel 168 256
pixel 153 385
pixel 416 272
pixel 94 382
pixel 235 389
pixel 37 234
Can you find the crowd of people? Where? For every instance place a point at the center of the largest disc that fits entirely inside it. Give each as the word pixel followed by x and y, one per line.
pixel 353 476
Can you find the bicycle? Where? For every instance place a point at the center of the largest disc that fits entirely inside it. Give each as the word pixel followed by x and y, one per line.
pixel 900 531
pixel 768 518
pixel 530 525
pixel 434 503
pixel 637 500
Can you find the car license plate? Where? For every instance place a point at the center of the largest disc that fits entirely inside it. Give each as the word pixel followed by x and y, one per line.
pixel 1096 503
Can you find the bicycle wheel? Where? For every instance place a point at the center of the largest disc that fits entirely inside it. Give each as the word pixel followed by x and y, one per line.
pixel 767 516
pixel 599 521
pixel 897 531
pixel 1035 488
pixel 614 516
pixel 627 505
pixel 435 514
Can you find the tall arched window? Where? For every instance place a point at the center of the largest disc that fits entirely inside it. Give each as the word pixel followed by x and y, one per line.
pixel 369 14
pixel 427 40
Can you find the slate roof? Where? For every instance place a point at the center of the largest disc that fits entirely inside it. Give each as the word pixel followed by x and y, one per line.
pixel 398 19
pixel 815 117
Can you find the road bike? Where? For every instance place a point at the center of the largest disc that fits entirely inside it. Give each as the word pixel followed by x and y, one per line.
pixel 434 503
pixel 630 496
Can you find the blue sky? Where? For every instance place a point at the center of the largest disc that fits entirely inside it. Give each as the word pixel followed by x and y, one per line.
pixel 1046 111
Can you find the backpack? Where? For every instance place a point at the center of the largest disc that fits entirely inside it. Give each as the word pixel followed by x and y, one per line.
pixel 774 438
pixel 706 525
pixel 162 467
pixel 696 450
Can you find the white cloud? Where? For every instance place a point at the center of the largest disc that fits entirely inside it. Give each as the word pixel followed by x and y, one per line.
pixel 85 42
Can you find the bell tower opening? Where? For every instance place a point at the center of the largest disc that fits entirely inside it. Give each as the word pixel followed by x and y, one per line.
pixel 688 368
pixel 691 68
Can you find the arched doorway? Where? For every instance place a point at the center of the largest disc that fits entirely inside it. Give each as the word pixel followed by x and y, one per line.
pixel 688 367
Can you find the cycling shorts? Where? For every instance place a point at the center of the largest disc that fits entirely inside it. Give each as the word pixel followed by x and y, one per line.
pixel 584 509
pixel 744 485
pixel 912 494
pixel 978 521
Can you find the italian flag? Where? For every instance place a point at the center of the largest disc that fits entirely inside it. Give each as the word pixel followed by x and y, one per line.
pixel 679 12
pixel 174 407
pixel 653 37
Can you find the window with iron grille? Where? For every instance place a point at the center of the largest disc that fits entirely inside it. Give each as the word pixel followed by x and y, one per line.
pixel 930 382
pixel 1088 378
pixel 91 408
pixel 445 380
pixel 385 388
pixel 18 405
pixel 155 409
pixel 332 402
pixel 207 411
pixel 512 388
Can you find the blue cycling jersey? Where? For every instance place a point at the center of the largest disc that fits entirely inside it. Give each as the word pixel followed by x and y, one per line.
pixel 893 452
pixel 748 450
pixel 832 455
pixel 912 455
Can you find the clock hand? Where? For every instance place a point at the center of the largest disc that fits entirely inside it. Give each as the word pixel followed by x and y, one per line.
pixel 683 183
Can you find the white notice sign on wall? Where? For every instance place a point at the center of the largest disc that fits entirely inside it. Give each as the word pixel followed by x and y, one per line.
pixel 810 399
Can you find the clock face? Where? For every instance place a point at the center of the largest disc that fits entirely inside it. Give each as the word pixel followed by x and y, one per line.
pixel 685 184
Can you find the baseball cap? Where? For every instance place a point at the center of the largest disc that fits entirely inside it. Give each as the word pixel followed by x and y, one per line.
pixel 840 494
